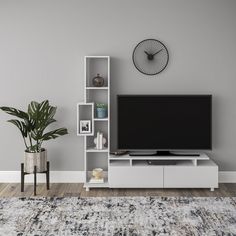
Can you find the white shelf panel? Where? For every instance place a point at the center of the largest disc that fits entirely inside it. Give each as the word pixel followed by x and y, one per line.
pixel 169 158
pixel 107 57
pixel 177 163
pixel 96 150
pixel 119 158
pixel 100 119
pixel 127 157
pixel 97 88
pixel 98 185
pixel 120 163
pixel 103 185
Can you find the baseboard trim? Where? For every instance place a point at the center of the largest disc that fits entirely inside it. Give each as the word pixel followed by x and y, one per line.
pixel 227 176
pixel 79 177
pixel 55 177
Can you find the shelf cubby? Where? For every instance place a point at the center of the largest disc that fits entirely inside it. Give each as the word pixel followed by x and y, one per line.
pixel 97 65
pixel 85 111
pixel 98 127
pixel 96 160
pixel 97 96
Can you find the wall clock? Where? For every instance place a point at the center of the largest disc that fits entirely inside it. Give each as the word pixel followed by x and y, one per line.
pixel 150 57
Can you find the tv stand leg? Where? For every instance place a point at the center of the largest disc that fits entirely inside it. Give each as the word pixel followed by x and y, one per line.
pixel 212 189
pixel 87 189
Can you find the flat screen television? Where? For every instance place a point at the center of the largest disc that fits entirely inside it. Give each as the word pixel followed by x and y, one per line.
pixel 164 122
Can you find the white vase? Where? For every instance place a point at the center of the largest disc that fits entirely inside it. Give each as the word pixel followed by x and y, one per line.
pixel 38 159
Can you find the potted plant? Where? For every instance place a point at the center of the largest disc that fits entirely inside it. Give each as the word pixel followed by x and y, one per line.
pixel 101 109
pixel 32 125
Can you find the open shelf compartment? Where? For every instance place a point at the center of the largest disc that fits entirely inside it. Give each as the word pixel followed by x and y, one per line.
pixel 97 65
pixel 85 115
pixel 96 185
pixel 101 127
pixel 96 160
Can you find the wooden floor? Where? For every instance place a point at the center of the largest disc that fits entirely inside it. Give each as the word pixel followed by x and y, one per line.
pixel 76 190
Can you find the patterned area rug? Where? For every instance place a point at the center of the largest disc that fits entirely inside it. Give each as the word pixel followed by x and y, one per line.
pixel 127 216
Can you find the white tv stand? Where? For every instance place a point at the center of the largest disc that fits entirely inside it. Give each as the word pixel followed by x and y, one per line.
pixel 132 171
pixel 187 172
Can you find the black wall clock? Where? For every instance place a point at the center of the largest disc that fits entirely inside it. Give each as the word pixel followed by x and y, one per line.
pixel 150 57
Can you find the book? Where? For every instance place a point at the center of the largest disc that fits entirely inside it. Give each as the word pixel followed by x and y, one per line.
pixel 96 181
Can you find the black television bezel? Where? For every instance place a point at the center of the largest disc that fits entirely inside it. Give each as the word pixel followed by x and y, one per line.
pixel 163 95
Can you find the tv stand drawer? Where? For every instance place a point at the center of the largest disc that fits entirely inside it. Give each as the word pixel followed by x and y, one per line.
pixel 191 177
pixel 136 177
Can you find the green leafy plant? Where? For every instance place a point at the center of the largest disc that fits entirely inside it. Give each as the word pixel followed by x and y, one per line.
pixel 32 124
pixel 101 105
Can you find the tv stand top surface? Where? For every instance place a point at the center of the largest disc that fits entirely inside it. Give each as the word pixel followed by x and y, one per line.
pixel 185 156
pixel 162 153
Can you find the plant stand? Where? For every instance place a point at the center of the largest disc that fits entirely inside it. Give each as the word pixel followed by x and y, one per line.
pixel 35 177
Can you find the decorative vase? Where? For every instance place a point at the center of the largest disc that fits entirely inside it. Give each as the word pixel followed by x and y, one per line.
pixel 38 159
pixel 101 112
pixel 98 81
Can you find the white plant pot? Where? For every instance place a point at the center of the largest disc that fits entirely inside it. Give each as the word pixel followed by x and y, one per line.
pixel 38 159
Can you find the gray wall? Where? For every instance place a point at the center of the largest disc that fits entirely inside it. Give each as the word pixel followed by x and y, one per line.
pixel 42 45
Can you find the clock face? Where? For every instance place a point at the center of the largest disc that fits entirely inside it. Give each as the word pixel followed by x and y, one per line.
pixel 150 57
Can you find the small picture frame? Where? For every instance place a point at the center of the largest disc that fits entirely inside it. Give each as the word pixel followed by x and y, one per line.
pixel 85 126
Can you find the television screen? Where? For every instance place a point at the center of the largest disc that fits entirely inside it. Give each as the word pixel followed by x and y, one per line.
pixel 164 122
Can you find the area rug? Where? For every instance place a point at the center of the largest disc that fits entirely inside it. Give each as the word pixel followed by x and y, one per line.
pixel 123 216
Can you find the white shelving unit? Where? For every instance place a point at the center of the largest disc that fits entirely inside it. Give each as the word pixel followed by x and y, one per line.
pixel 96 158
pixel 130 171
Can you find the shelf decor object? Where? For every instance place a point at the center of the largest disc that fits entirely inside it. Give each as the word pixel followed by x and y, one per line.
pixel 96 109
pixel 85 126
pixel 101 110
pixel 99 141
pixel 97 176
pixel 98 81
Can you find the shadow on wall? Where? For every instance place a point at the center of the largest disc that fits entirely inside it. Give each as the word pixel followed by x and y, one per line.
pixel 116 67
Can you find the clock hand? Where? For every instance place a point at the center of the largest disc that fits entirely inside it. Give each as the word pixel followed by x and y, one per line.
pixel 149 56
pixel 157 52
